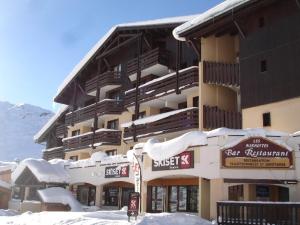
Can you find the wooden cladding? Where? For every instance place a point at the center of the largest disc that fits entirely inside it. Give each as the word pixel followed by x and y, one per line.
pixel 214 117
pixel 187 78
pixel 150 58
pixel 238 212
pixel 56 153
pixel 106 78
pixel 178 122
pixel 61 130
pixel 227 74
pixel 81 141
pixel 104 107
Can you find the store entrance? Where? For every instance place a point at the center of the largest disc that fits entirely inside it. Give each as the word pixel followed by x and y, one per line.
pixel 86 194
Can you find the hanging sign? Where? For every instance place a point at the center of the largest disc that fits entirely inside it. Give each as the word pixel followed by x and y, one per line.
pixel 257 152
pixel 116 171
pixel 184 160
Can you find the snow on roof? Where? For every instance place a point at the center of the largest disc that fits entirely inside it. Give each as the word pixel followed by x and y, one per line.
pixel 90 54
pixel 154 118
pixel 49 124
pixel 43 170
pixel 164 150
pixel 218 10
pixel 4 184
pixel 52 149
pixel 60 195
pixel 4 166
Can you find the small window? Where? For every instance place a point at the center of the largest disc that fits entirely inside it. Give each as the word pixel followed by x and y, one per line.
pixel 111 152
pixel 113 124
pixel 75 133
pixel 261 22
pixel 196 101
pixel 267 119
pixel 74 157
pixel 263 66
pixel 182 105
pixel 141 115
pixel 118 69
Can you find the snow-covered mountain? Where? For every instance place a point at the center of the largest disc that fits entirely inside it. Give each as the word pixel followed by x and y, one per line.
pixel 18 124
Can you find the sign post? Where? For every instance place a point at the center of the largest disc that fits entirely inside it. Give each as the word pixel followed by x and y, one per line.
pixel 133 205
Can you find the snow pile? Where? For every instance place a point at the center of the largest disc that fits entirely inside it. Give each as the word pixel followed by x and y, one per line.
pixel 172 219
pixel 164 150
pixel 44 171
pixel 154 118
pixel 8 212
pixel 60 195
pixel 216 11
pixel 4 184
pixel 4 166
pixel 296 134
pixel 98 156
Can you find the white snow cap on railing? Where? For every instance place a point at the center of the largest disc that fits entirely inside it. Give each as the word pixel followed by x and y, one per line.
pixel 164 150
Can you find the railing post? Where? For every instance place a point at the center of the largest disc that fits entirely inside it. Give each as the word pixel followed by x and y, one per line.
pixel 178 65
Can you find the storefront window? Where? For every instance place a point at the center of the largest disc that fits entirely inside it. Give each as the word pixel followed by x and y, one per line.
pixel 125 195
pixel 236 193
pixel 86 195
pixel 157 199
pixel 183 198
pixel 111 196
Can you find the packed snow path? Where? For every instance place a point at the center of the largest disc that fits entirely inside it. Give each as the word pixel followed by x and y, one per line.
pixel 99 218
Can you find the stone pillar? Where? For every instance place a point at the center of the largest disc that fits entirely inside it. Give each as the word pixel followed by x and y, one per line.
pixel 218 192
pixel 204 198
pixel 99 190
pixel 144 196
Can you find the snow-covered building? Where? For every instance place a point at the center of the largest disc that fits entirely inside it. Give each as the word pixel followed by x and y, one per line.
pixel 6 169
pixel 168 101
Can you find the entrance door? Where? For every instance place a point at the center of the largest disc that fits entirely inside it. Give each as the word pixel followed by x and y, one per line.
pixel 157 199
pixel 125 196
pixel 86 195
pixel 183 199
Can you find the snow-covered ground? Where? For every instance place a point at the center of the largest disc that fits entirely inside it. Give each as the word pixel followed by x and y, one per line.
pixel 99 218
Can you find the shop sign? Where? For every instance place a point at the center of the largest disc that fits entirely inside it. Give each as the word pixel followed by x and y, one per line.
pixel 257 152
pixel 184 160
pixel 133 205
pixel 137 173
pixel 116 171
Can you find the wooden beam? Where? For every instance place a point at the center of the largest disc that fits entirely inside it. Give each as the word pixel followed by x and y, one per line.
pixel 196 48
pixel 241 32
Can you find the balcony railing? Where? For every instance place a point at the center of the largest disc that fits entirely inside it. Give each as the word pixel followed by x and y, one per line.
pixel 164 86
pixel 214 117
pixel 105 79
pixel 227 74
pixel 106 106
pixel 61 130
pixel 101 137
pixel 259 213
pixel 183 120
pixel 148 59
pixel 54 153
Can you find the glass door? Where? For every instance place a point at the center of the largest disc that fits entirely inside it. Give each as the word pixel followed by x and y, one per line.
pixel 125 196
pixel 157 199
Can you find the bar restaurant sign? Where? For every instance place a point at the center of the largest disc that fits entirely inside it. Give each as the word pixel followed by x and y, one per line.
pixel 116 171
pixel 184 160
pixel 257 152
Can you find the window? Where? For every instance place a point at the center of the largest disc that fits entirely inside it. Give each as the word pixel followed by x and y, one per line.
pixel 141 115
pixel 75 133
pixel 113 124
pixel 182 105
pixel 263 66
pixel 114 95
pixel 236 193
pixel 196 101
pixel 110 196
pixel 111 152
pixel 165 109
pixel 267 119
pixel 74 157
pixel 261 22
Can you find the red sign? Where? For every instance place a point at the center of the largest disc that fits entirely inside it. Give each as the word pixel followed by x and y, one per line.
pixel 116 171
pixel 257 152
pixel 133 204
pixel 184 160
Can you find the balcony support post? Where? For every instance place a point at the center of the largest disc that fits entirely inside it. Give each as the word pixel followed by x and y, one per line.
pixel 178 64
pixel 138 79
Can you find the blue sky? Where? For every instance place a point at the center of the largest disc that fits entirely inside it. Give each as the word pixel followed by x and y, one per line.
pixel 42 40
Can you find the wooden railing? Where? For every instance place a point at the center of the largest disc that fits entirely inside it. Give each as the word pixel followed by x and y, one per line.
pixel 103 107
pixel 85 141
pixel 106 78
pixel 55 153
pixel 61 130
pixel 165 85
pixel 214 117
pixel 150 58
pixel 227 74
pixel 182 121
pixel 258 213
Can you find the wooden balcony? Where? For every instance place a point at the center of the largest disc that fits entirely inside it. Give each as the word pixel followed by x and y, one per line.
pixel 259 213
pixel 227 74
pixel 183 120
pixel 109 78
pixel 165 85
pixel 61 130
pixel 54 153
pixel 104 107
pixel 151 58
pixel 214 117
pixel 102 137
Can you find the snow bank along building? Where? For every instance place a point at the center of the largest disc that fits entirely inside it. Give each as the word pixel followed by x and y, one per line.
pixel 194 84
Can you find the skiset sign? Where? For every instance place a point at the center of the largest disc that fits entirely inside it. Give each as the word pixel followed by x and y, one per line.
pixel 116 171
pixel 185 160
